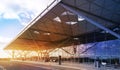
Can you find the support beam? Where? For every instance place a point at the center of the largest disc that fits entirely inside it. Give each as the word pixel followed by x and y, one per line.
pixel 90 20
pixel 38 53
pixel 66 51
pixel 13 54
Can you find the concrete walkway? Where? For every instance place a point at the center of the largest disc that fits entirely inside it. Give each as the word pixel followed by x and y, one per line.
pixel 67 66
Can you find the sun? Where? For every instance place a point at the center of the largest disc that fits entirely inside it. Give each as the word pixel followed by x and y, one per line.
pixel 4 54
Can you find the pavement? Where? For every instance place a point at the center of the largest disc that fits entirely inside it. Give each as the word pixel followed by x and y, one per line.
pixel 10 65
pixel 69 66
pixel 37 65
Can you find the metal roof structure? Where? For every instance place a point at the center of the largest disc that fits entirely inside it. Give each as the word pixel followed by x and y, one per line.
pixel 62 27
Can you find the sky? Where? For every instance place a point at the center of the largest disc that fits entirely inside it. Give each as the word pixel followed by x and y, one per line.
pixel 16 15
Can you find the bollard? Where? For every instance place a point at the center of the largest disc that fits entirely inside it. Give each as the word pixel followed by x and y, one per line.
pixel 59 60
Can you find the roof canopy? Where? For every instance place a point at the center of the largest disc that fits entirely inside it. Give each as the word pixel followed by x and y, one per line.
pixel 60 27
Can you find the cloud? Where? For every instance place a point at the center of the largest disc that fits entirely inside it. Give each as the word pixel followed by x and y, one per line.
pixel 4 41
pixel 10 15
pixel 15 10
pixel 22 10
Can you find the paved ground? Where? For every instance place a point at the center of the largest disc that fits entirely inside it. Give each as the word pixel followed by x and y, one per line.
pixel 16 65
pixel 32 65
pixel 5 65
pixel 72 66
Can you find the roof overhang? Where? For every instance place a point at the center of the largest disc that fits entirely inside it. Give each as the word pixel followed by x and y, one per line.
pixel 60 27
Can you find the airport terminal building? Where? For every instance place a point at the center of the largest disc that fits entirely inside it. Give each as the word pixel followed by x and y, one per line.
pixel 75 31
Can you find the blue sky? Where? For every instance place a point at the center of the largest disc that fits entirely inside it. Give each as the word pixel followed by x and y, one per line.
pixel 15 15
